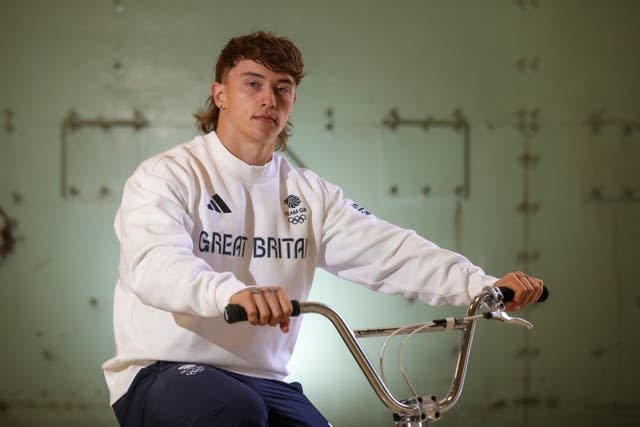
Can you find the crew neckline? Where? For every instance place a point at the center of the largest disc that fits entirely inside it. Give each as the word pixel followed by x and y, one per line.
pixel 236 166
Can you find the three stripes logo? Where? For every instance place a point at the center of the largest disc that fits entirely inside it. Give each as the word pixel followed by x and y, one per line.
pixel 217 204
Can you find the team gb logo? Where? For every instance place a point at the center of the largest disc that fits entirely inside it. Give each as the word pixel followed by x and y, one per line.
pixel 292 201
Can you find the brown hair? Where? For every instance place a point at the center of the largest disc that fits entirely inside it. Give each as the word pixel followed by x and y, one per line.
pixel 279 54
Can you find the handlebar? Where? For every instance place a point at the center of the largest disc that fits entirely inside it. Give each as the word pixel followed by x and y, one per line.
pixel 420 408
pixel 234 313
pixel 508 294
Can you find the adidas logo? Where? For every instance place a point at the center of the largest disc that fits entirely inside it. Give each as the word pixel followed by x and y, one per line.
pixel 217 204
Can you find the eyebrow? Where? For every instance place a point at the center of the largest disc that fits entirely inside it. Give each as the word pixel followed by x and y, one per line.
pixel 253 74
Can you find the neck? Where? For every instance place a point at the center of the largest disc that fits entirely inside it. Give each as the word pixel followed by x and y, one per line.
pixel 253 152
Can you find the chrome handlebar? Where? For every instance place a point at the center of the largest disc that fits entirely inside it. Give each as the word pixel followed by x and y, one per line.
pixel 421 409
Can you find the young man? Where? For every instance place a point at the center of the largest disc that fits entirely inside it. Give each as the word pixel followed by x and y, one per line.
pixel 222 219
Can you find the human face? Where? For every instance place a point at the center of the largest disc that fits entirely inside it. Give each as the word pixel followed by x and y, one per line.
pixel 255 104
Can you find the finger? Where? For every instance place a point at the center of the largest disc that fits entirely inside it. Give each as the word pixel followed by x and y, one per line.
pixel 248 303
pixel 537 288
pixel 263 314
pixel 287 309
pixel 511 306
pixel 271 298
pixel 527 289
pixel 540 287
pixel 285 302
pixel 511 280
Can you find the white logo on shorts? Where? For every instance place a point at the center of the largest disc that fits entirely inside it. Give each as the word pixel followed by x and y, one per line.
pixel 190 369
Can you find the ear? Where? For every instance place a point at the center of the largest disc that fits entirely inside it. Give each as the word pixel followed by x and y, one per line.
pixel 217 93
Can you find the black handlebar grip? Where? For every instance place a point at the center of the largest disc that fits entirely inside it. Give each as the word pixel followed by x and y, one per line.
pixel 508 294
pixel 234 313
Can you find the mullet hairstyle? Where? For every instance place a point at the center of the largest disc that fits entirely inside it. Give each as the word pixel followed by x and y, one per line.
pixel 278 54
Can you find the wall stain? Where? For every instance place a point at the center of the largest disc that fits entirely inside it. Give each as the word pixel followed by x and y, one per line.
pixel 17 198
pixel 597 353
pixel 7 239
pixel 498 404
pixel 528 353
pixel 528 401
pixel 48 355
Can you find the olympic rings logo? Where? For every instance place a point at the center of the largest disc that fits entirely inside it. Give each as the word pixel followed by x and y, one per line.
pixel 298 219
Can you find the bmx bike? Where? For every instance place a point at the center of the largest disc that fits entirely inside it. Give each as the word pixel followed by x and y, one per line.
pixel 419 410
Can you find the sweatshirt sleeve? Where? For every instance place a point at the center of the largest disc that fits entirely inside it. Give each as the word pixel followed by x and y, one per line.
pixel 363 249
pixel 157 261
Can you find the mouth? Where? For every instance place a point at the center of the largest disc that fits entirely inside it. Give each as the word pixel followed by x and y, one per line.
pixel 266 118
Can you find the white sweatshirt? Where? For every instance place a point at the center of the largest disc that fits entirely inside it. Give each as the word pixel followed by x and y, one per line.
pixel 197 225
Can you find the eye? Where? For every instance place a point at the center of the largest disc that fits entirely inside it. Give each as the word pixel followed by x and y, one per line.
pixel 283 90
pixel 253 84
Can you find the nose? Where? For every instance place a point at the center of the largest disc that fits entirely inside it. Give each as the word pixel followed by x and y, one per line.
pixel 268 98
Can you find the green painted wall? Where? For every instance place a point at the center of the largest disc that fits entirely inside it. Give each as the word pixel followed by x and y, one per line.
pixel 527 75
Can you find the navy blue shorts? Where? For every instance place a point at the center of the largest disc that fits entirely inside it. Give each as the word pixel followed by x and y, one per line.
pixel 175 394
